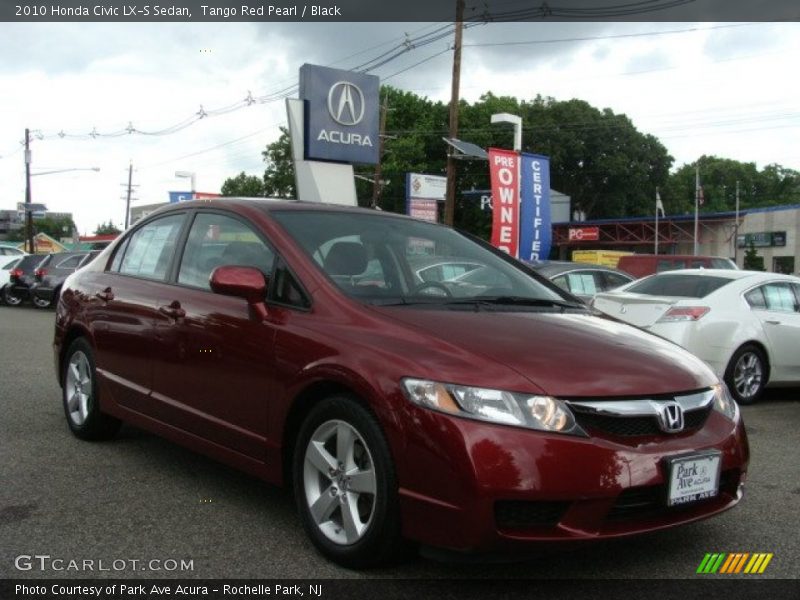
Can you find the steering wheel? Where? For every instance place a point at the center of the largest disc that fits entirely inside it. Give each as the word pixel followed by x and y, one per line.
pixel 433 285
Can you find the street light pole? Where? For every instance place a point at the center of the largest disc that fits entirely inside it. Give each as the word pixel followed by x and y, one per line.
pixel 190 175
pixel 516 121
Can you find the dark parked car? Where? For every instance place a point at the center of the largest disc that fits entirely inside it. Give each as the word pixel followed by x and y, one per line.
pixel 52 271
pixel 580 279
pixel 245 329
pixel 20 280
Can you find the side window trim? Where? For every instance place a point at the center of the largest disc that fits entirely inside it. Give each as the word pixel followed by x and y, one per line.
pixel 281 264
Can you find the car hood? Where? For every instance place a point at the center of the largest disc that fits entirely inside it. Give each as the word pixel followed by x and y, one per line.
pixel 566 355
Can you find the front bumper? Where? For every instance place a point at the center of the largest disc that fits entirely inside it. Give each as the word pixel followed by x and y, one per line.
pixel 472 486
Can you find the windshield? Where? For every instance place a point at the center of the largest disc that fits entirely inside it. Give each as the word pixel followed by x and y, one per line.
pixel 686 286
pixel 382 259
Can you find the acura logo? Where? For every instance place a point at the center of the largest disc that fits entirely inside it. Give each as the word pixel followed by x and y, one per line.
pixel 670 417
pixel 346 103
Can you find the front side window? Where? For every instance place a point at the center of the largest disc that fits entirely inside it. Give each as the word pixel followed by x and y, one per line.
pixel 150 250
pixel 216 240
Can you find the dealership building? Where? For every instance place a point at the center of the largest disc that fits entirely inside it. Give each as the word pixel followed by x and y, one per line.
pixel 774 232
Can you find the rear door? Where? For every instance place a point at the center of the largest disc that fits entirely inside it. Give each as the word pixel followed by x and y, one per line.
pixel 777 306
pixel 123 307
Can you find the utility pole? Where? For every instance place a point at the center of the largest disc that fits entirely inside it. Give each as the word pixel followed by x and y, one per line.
pixel 696 204
pixel 128 195
pixel 128 198
pixel 377 186
pixel 450 199
pixel 28 207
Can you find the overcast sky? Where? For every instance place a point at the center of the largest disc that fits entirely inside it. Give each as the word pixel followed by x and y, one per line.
pixel 727 89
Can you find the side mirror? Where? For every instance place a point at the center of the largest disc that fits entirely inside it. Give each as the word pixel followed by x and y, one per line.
pixel 243 282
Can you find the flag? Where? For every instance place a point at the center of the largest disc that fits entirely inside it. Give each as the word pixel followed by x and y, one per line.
pixel 659 204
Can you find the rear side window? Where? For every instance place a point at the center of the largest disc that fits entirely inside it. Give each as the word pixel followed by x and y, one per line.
pixel 71 263
pixel 685 286
pixel 779 297
pixel 614 280
pixel 150 250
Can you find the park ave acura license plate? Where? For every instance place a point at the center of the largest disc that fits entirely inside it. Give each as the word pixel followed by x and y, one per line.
pixel 693 477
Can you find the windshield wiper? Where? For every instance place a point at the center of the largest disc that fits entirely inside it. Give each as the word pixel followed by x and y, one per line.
pixel 515 301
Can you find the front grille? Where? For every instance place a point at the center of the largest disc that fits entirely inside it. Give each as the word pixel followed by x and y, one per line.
pixel 523 514
pixel 635 426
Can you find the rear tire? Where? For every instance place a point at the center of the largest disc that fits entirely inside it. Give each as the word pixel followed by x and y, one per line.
pixel 80 395
pixel 345 484
pixel 746 375
pixel 9 297
pixel 41 302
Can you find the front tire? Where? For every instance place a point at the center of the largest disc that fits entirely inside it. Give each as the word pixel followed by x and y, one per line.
pixel 80 395
pixel 345 484
pixel 746 374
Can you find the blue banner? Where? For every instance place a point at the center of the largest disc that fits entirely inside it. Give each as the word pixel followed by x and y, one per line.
pixel 535 235
pixel 179 197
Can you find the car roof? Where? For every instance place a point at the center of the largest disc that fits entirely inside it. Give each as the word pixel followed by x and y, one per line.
pixel 727 274
pixel 555 267
pixel 277 204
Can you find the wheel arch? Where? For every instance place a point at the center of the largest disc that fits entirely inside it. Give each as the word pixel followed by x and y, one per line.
pixel 760 346
pixel 301 405
pixel 72 334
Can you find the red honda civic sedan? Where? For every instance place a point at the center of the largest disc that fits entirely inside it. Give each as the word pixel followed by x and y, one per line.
pixel 338 350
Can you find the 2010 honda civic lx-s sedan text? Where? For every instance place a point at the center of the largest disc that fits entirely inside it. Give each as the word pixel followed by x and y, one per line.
pixel 294 340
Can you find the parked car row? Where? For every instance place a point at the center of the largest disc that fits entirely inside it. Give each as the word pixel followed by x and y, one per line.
pixel 38 277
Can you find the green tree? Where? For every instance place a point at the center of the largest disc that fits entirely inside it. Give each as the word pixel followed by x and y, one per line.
pixel 718 176
pixel 279 175
pixel 107 229
pixel 243 185
pixel 752 261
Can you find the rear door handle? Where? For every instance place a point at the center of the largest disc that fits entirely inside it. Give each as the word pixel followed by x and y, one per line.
pixel 106 295
pixel 174 310
pixel 773 322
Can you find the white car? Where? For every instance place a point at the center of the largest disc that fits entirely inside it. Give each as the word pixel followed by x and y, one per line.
pixel 744 324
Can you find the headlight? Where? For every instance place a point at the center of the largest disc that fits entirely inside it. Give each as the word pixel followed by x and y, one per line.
pixel 495 406
pixel 723 401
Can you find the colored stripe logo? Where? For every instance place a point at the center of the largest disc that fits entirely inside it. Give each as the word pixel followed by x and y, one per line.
pixel 735 562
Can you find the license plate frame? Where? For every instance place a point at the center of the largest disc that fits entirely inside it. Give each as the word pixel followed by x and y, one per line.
pixel 693 477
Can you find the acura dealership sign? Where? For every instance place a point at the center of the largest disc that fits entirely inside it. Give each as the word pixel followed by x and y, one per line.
pixel 341 115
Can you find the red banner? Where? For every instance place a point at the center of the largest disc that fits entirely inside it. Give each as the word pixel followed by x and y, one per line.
pixel 504 173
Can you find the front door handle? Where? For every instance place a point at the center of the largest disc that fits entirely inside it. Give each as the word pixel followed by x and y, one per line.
pixel 106 295
pixel 771 322
pixel 174 310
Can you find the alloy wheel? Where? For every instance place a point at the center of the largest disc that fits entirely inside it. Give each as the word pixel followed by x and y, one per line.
pixel 748 374
pixel 78 388
pixel 339 482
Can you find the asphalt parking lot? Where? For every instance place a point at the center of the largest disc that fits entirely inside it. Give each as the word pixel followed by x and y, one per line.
pixel 143 499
